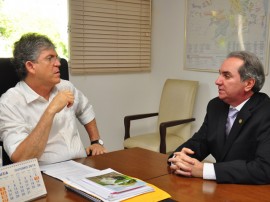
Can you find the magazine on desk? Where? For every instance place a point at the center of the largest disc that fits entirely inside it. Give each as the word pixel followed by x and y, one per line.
pixel 107 185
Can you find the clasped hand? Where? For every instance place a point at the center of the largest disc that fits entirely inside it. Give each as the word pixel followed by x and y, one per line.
pixel 182 164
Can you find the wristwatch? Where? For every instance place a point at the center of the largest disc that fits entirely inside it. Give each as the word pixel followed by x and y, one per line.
pixel 100 141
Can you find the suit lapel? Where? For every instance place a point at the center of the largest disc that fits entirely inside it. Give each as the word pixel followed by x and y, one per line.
pixel 221 138
pixel 241 119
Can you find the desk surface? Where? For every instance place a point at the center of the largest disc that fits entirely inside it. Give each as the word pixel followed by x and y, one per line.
pixel 196 189
pixel 151 167
pixel 136 162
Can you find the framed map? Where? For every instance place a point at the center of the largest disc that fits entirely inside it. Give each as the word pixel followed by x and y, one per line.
pixel 216 27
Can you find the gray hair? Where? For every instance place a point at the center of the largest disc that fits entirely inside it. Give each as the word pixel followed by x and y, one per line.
pixel 252 68
pixel 28 48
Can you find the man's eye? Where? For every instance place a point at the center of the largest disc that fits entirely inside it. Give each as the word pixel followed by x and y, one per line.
pixel 49 58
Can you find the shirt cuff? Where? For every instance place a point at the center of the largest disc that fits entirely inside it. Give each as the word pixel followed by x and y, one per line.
pixel 209 171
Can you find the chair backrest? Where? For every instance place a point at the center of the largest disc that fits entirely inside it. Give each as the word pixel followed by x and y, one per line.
pixel 9 78
pixel 177 102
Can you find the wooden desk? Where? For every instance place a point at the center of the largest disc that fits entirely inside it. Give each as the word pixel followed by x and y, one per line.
pixel 196 189
pixel 137 162
pixel 152 168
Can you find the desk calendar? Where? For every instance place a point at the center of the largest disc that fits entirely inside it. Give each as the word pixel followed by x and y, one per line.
pixel 21 181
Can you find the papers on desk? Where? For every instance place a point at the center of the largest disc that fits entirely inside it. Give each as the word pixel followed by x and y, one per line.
pixel 66 169
pixel 84 180
pixel 108 185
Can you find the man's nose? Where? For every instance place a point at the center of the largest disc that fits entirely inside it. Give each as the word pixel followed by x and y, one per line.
pixel 218 80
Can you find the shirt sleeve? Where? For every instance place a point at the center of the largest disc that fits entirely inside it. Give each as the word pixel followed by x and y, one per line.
pixel 209 171
pixel 84 110
pixel 12 130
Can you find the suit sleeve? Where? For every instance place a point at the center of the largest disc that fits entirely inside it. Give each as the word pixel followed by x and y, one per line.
pixel 197 143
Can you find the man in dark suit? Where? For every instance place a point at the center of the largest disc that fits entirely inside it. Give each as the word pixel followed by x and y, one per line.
pixel 243 155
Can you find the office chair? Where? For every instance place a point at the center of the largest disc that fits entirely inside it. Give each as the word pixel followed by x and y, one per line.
pixel 174 118
pixel 9 78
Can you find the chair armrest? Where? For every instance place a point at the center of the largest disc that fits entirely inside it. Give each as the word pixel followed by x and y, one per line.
pixel 129 118
pixel 163 129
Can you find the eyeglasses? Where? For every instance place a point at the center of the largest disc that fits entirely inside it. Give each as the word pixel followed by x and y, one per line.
pixel 52 59
pixel 49 59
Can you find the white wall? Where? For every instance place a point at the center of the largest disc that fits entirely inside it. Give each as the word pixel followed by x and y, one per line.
pixel 116 95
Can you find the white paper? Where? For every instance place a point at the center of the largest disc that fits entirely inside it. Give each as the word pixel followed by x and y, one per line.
pixel 66 169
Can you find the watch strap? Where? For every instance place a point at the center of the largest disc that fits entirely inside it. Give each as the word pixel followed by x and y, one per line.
pixel 95 142
pixel 99 141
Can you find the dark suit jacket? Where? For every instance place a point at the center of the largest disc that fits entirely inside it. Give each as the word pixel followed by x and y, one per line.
pixel 243 157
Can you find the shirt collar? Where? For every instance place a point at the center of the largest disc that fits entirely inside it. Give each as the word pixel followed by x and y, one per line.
pixel 30 95
pixel 239 107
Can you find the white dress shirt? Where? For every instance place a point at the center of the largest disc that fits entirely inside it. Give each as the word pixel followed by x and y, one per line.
pixel 21 109
pixel 208 168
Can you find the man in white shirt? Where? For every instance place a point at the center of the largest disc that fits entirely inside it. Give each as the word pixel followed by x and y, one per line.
pixel 38 115
pixel 242 155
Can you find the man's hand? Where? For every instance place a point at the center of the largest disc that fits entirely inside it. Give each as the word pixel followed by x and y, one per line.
pixel 95 149
pixel 183 164
pixel 62 99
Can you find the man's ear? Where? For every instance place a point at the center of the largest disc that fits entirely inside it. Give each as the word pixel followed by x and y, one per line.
pixel 30 66
pixel 249 83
